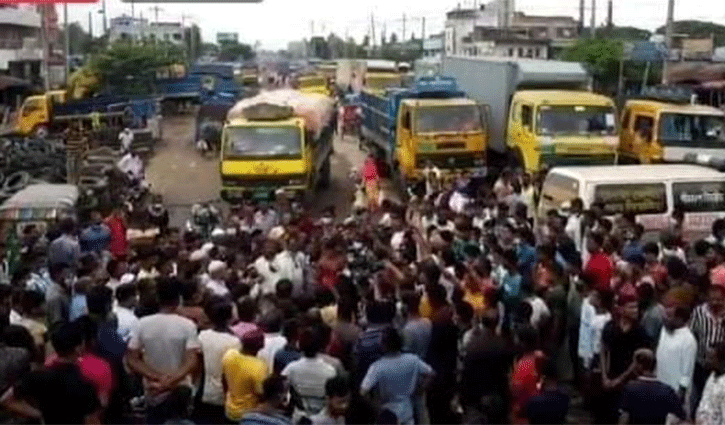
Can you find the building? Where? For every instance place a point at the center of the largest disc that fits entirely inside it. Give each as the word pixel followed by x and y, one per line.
pixel 497 29
pixel 297 49
pixel 127 28
pixel 433 46
pixel 499 42
pixel 20 50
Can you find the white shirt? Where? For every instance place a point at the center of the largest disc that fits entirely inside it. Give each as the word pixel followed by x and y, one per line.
pixel 539 311
pixel 214 345
pixel 585 348
pixel 272 343
pixel 217 288
pixel 595 339
pixel 676 353
pixel 711 410
pixel 127 322
pixel 308 377
pixel 269 277
pixel 291 266
pixel 131 165
pixel 573 229
pixel 126 138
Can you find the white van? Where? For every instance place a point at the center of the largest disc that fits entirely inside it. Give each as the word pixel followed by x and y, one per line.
pixel 652 192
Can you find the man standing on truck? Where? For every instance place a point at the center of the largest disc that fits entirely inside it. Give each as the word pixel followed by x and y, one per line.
pixel 126 139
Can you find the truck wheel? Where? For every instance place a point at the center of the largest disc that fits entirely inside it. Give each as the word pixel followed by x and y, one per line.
pixel 40 132
pixel 325 171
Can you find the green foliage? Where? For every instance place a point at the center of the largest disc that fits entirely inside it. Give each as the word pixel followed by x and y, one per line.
pixel 698 29
pixel 601 56
pixel 624 33
pixel 235 51
pixel 130 69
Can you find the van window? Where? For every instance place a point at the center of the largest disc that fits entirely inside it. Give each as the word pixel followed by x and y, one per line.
pixel 526 112
pixel 645 198
pixel 699 196
pixel 559 189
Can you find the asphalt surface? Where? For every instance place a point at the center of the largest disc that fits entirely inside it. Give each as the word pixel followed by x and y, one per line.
pixel 184 177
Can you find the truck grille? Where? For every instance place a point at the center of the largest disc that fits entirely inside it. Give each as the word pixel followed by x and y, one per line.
pixel 253 182
pixel 449 161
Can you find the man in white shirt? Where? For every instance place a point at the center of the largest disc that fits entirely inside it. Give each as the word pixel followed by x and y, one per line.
pixel 273 338
pixel 126 139
pixel 132 165
pixel 291 262
pixel 267 269
pixel 217 276
pixel 677 349
pixel 573 227
pixel 309 374
pixel 126 297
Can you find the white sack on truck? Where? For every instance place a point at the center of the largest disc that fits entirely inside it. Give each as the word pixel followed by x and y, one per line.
pixel 317 110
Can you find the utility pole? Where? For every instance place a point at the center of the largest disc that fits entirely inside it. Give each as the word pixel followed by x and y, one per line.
pixel 44 45
pixel 105 21
pixel 66 41
pixel 610 22
pixel 668 39
pixel 156 9
pixel 372 29
pixel 403 37
pixel 183 34
pixel 90 24
pixel 593 29
pixel 422 29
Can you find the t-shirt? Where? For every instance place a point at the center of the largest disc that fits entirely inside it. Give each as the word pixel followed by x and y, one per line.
pixel 164 339
pixel 214 345
pixel 396 378
pixel 272 344
pixel 416 336
pixel 244 376
pixel 648 401
pixel 621 346
pixel 61 393
pixel 284 357
pixel 127 322
pixel 308 377
pixel 94 369
pixel 524 380
pixel 548 407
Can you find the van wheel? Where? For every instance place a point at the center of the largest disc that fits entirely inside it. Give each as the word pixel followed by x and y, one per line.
pixel 325 171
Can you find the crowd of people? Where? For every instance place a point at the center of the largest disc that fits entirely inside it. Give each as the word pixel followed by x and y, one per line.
pixel 455 307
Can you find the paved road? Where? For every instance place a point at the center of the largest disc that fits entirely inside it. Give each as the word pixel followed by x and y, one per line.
pixel 179 173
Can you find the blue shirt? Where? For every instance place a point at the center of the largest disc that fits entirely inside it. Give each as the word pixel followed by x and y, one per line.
pixel 95 238
pixel 396 378
pixel 64 250
pixel 78 307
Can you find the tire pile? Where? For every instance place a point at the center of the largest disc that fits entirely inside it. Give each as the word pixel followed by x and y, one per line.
pixel 25 161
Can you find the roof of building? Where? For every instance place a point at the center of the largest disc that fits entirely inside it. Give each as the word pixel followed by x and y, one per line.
pixel 635 173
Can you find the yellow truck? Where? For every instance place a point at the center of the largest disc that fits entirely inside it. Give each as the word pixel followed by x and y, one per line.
pixel 430 125
pixel 657 129
pixel 314 83
pixel 542 114
pixel 276 142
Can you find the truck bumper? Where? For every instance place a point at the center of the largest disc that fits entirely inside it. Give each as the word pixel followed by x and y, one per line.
pixel 238 194
pixel 554 160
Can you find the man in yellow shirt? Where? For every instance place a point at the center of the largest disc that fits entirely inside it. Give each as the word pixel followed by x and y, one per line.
pixel 243 376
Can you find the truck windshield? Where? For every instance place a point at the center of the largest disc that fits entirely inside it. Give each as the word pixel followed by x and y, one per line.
pixel 443 119
pixel 306 82
pixel 246 142
pixel 692 129
pixel 576 120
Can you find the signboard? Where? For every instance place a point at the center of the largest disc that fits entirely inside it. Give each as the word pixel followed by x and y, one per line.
pixel 645 198
pixel 697 48
pixel 227 37
pixel 645 51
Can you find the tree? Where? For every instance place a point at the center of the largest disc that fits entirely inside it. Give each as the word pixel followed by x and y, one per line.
pixel 624 33
pixel 393 38
pixel 601 56
pixel 79 41
pixel 698 29
pixel 233 51
pixel 130 69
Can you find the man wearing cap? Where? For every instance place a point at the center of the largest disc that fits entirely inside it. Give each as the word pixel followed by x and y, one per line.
pixel 708 326
pixel 217 276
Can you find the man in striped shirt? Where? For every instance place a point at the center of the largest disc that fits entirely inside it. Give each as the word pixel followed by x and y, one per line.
pixel 708 326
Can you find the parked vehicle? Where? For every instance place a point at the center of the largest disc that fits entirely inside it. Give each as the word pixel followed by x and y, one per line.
pixel 202 83
pixel 431 124
pixel 652 192
pixel 541 112
pixel 39 206
pixel 277 141
pixel 664 127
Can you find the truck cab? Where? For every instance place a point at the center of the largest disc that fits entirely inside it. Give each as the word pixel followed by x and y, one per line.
pixel 262 155
pixel 561 127
pixel 314 83
pixel 659 131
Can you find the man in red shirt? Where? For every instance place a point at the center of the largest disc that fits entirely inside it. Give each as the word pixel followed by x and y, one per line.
pixel 119 242
pixel 599 267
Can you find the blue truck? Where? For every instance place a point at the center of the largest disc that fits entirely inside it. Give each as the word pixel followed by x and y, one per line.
pixel 430 124
pixel 201 85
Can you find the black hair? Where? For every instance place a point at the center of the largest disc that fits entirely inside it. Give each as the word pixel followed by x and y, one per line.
pixel 337 386
pixel 718 226
pixel 67 226
pixel 19 337
pixel 310 342
pixel 701 247
pixel 66 337
pixel 89 328
pixel 651 248
pixel 465 312
pixel 168 292
pixel 597 238
pixel 99 300
pixel 380 312
pixel 273 388
pixel 324 297
pixel 387 417
pixel 219 313
pixel 189 289
pixel 283 288
pixel 290 329
pixel 392 341
pixel 548 370
pixel 125 291
pixel 411 300
pixel 246 309
pixel 31 299
pixel 272 321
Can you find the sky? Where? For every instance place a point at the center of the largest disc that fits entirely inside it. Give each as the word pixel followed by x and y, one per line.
pixel 276 22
